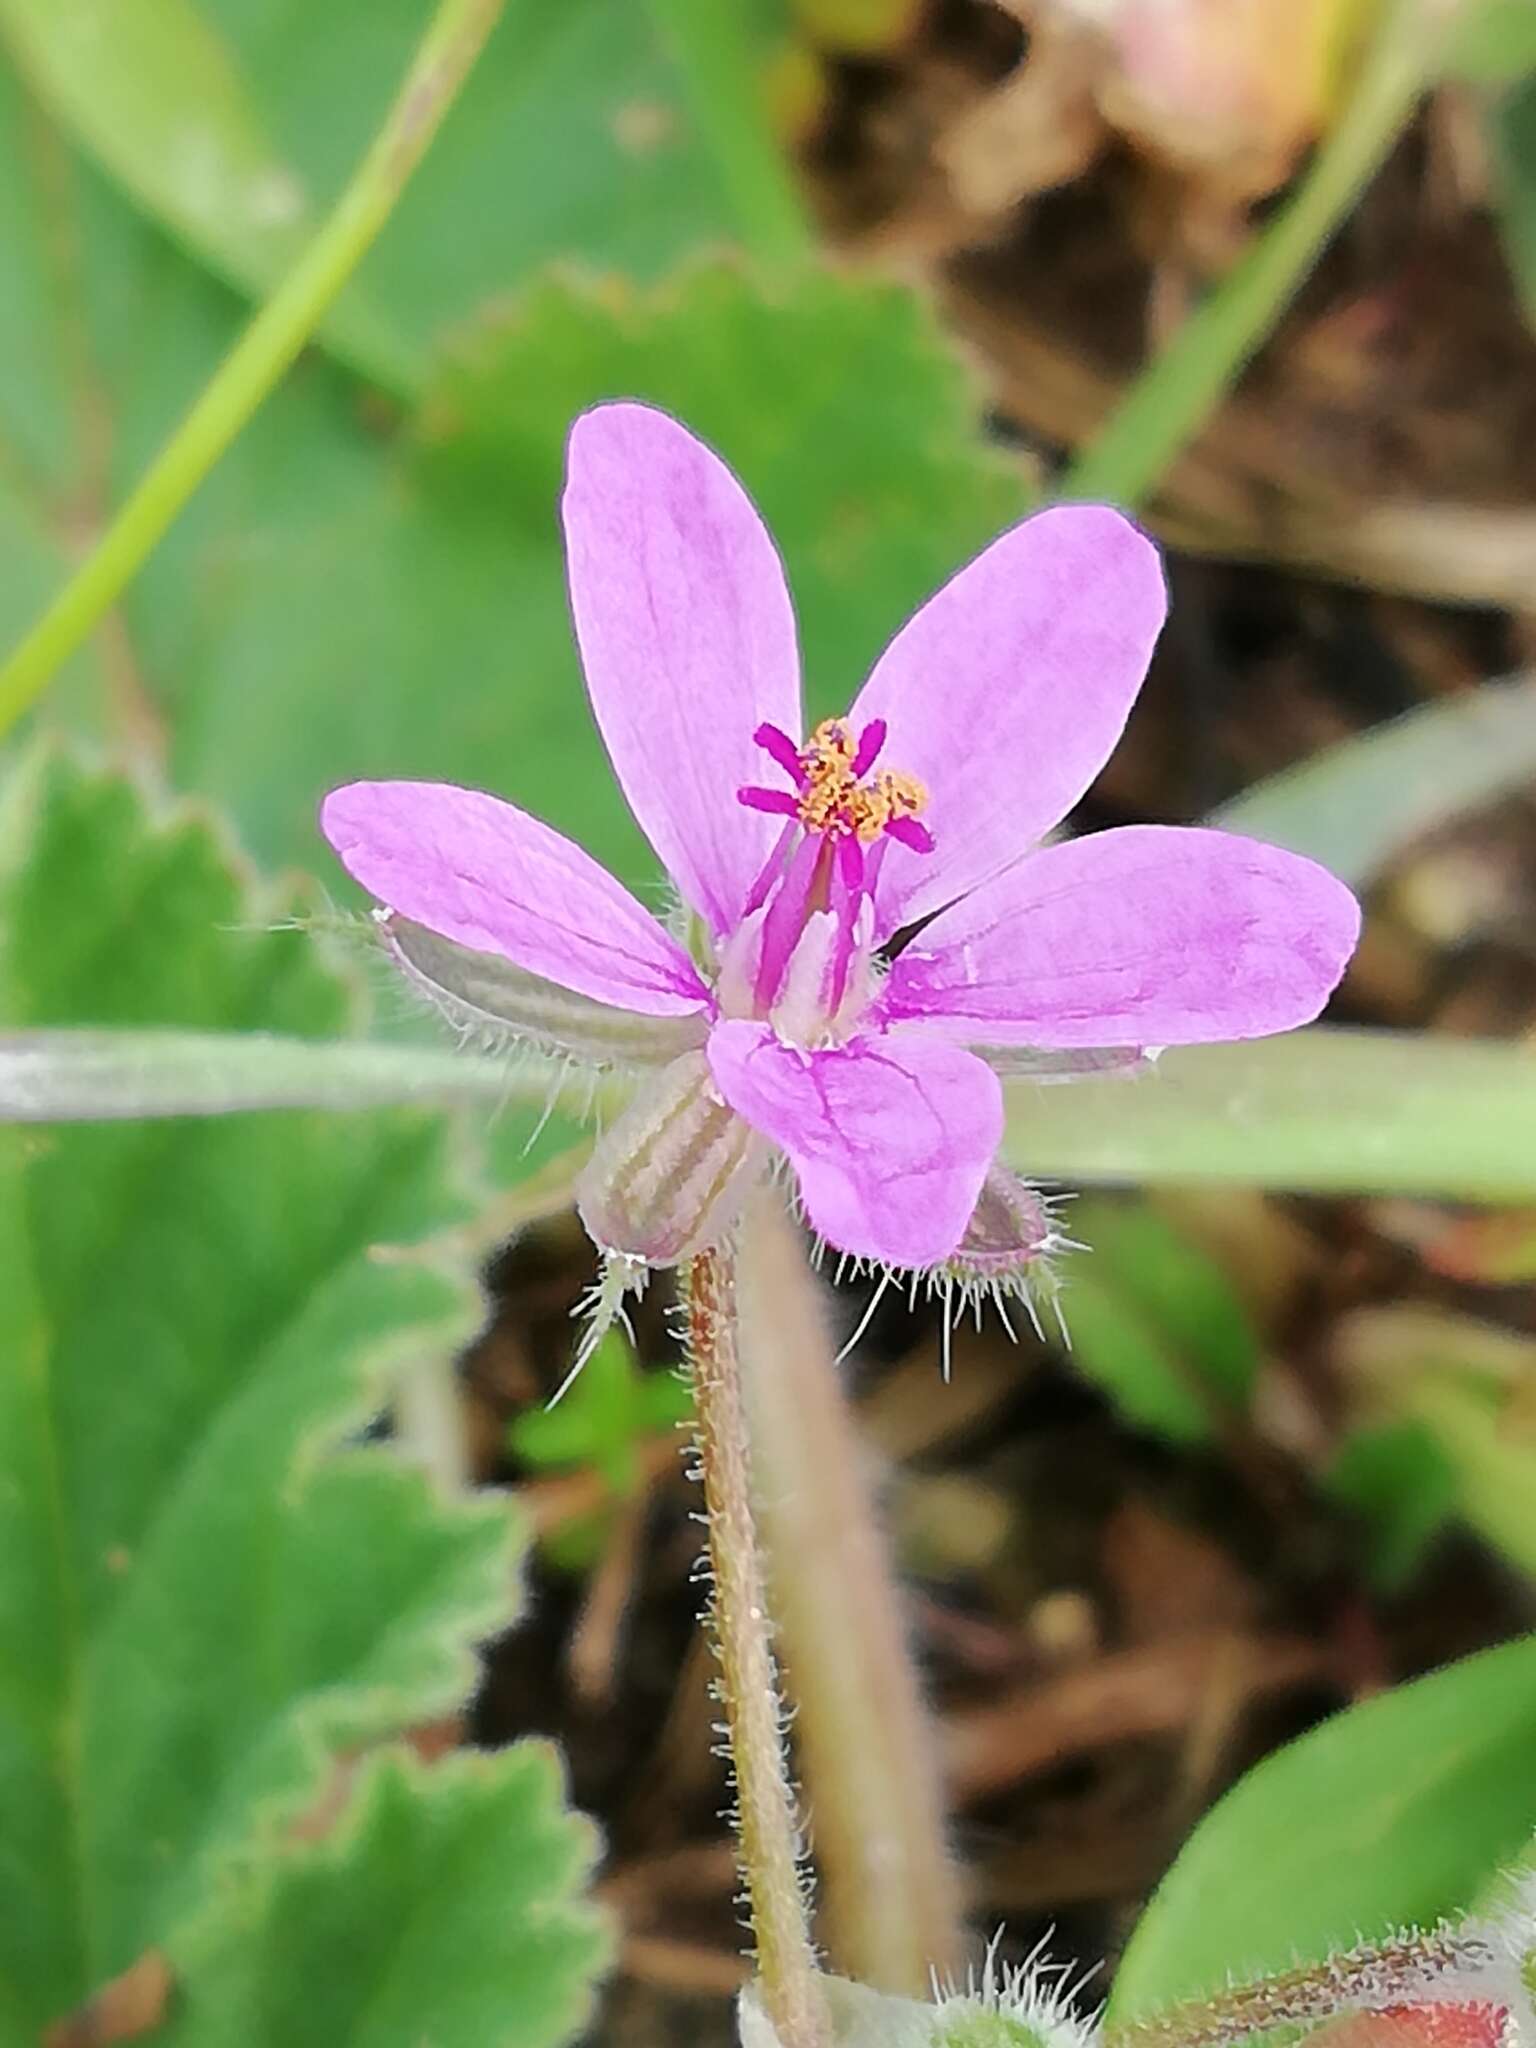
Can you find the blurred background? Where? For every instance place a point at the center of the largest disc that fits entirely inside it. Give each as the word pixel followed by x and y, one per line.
pixel 902 262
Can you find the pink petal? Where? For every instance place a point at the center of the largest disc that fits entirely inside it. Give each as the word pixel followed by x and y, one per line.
pixel 687 638
pixel 1006 693
pixel 1152 935
pixel 485 874
pixel 891 1136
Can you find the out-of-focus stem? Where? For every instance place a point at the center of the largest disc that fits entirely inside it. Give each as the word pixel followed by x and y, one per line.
pixel 1171 401
pixel 766 1823
pixel 890 1889
pixel 453 39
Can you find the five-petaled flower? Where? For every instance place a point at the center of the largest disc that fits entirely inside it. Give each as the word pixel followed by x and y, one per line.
pixel 874 930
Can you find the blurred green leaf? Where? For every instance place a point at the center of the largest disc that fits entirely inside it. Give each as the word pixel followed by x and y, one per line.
pixel 1465 1386
pixel 1397 1479
pixel 1316 1110
pixel 235 123
pixel 612 1407
pixel 1155 1322
pixel 149 87
pixel 1495 43
pixel 1391 1814
pixel 1357 806
pixel 204 1597
pixel 1513 133
pixel 438 1913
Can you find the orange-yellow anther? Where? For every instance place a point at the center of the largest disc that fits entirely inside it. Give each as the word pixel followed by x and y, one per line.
pixel 833 802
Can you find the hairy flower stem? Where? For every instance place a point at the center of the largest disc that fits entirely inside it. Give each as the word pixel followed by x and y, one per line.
pixel 765 1817
pixel 453 40
pixel 1441 1965
pixel 890 1890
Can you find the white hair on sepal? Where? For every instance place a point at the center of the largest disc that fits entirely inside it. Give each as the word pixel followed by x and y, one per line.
pixel 1033 2004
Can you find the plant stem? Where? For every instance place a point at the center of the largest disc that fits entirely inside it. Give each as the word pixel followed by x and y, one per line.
pixel 765 1818
pixel 269 345
pixel 715 50
pixel 1170 402
pixel 891 1892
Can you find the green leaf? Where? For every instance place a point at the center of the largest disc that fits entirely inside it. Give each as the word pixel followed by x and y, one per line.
pixel 151 89
pixel 235 124
pixel 204 1595
pixel 1318 1110
pixel 609 1411
pixel 1393 1813
pixel 1155 1323
pixel 1513 136
pixel 436 1913
pixel 1496 43
pixel 1398 1480
pixel 1358 805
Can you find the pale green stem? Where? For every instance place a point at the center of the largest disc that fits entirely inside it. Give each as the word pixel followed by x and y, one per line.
pixel 716 49
pixel 891 1892
pixel 267 348
pixel 767 1831
pixel 1167 406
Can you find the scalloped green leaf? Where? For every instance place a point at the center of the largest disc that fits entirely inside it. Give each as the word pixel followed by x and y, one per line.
pixel 1391 1814
pixel 209 1588
pixel 436 1912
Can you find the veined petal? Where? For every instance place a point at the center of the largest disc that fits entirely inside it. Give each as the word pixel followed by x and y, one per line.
pixel 484 995
pixel 485 874
pixel 1150 935
pixel 1007 692
pixel 687 638
pixel 891 1137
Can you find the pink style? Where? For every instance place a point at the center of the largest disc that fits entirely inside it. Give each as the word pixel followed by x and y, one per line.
pixel 873 931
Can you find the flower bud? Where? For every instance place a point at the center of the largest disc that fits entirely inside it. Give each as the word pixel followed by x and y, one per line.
pixel 668 1178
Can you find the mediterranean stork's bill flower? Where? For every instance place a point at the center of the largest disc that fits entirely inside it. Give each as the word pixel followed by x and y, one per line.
pixel 872 931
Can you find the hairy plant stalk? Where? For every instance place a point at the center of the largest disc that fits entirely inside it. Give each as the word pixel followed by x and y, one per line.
pixel 453 40
pixel 767 1828
pixel 891 1890
pixel 1440 1965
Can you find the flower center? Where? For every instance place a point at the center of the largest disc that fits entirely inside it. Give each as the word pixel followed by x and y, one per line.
pixel 831 797
pixel 804 954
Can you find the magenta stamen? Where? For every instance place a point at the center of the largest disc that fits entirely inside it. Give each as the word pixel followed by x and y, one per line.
pixel 871 740
pixel 772 868
pixel 911 832
pixel 776 742
pixel 786 919
pixel 779 800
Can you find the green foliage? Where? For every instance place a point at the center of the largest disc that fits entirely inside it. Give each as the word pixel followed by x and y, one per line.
pixel 235 125
pixel 1395 1477
pixel 601 1424
pixel 1514 158
pixel 1495 42
pixel 1358 805
pixel 1391 1814
pixel 1155 1322
pixel 208 1591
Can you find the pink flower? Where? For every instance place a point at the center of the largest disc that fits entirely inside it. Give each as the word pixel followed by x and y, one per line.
pixel 875 931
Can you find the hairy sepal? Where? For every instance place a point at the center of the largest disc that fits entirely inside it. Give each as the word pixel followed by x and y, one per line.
pixel 490 1001
pixel 667 1180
